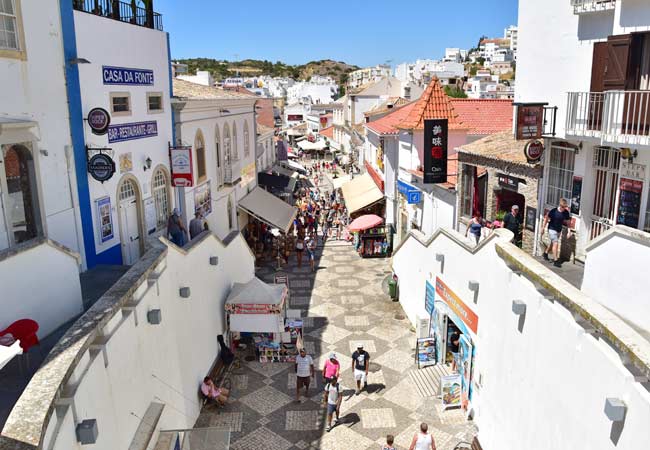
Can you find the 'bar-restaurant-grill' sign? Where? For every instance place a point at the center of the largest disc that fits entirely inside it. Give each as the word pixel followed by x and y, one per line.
pixel 435 150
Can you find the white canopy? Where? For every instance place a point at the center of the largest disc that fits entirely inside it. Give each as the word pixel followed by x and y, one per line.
pixel 295 166
pixel 256 292
pixel 257 307
pixel 306 145
pixel 360 193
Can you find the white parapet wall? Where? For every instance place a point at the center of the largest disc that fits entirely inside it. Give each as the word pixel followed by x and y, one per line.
pixel 113 364
pixel 40 281
pixel 539 381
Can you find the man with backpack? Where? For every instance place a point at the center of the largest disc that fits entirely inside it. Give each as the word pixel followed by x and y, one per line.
pixel 332 400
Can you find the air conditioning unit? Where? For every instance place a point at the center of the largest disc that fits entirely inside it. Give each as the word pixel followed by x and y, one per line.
pixel 422 327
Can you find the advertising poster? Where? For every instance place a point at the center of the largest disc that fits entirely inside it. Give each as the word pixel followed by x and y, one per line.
pixel 629 202
pixel 180 159
pixel 426 351
pixel 429 297
pixel 203 198
pixel 465 370
pixel 530 121
pixel 451 391
pixel 105 219
pixel 435 151
pixel 150 218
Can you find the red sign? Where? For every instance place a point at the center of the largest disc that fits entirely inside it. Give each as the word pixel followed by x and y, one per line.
pixel 294 117
pixel 180 161
pixel 534 151
pixel 375 176
pixel 465 314
pixel 530 121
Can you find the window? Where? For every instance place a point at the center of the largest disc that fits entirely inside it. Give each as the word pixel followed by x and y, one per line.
pixel 10 32
pixel 561 162
pixel 467 203
pixel 217 155
pixel 247 144
pixel 235 155
pixel 120 103
pixel 199 145
pixel 154 102
pixel 160 192
pixel 20 200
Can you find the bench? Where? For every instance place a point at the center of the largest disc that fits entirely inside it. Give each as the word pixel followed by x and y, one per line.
pixel 217 372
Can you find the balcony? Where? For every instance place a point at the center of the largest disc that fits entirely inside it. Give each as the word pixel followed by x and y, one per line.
pixel 122 11
pixel 590 6
pixel 613 117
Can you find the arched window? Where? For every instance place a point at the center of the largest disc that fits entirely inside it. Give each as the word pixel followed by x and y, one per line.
pixel 217 155
pixel 21 197
pixel 230 214
pixel 160 193
pixel 247 144
pixel 235 154
pixel 127 191
pixel 199 145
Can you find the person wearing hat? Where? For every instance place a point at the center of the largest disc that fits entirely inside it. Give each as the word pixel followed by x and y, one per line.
pixel 512 222
pixel 360 364
pixel 175 229
pixel 197 225
pixel 331 369
pixel 332 400
pixel 304 372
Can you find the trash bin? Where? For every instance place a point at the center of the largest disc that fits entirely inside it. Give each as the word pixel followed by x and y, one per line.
pixel 392 289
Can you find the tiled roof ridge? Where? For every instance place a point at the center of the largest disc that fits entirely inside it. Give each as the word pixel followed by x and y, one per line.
pixel 432 104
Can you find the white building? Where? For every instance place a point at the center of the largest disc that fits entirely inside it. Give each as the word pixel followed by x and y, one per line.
pixel 455 55
pixel 512 34
pixel 220 126
pixel 597 76
pixel 482 85
pixel 422 70
pixel 38 186
pixel 311 93
pixel 202 77
pixel 360 77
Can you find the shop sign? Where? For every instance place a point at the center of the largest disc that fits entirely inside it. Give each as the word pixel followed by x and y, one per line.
pixel 429 298
pixel 127 76
pixel 101 167
pixel 180 159
pixel 450 385
pixel 203 198
pixel 633 171
pixel 99 120
pixel 507 181
pixel 530 121
pixel 130 131
pixel 533 151
pixel 435 151
pixel 253 308
pixel 294 117
pixel 105 218
pixel 413 195
pixel 629 202
pixel 323 121
pixel 457 306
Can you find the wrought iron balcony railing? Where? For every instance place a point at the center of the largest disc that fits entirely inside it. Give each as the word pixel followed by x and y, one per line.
pixel 589 6
pixel 122 11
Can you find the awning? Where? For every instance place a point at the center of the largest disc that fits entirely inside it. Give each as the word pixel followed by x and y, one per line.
pixel 318 145
pixel 338 182
pixel 276 181
pixel 283 171
pixel 269 209
pixel 360 193
pixel 295 166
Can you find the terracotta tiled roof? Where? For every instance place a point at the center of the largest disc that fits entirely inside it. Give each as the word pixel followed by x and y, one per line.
pixel 483 116
pixel 387 125
pixel 187 89
pixel 499 147
pixel 327 132
pixel 432 104
pixel 387 106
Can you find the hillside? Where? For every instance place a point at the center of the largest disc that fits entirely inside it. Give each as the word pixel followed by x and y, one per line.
pixel 250 67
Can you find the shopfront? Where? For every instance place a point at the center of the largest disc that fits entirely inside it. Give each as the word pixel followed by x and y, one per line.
pixel 410 201
pixel 454 326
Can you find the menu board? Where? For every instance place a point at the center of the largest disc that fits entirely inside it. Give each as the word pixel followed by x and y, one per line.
pixel 629 202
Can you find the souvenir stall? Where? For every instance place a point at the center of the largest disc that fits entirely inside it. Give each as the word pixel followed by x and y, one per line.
pixel 256 314
pixel 372 239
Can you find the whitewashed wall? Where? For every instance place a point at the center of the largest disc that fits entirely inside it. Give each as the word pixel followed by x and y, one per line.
pixel 543 388
pixel 162 363
pixel 50 294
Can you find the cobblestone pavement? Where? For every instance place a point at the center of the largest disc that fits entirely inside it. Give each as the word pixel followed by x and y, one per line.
pixel 342 303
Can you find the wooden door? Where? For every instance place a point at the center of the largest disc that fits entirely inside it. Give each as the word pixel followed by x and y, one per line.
pixel 596 96
pixel 615 76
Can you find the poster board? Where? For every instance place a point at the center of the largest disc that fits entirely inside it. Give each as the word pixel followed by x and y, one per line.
pixel 450 387
pixel 150 215
pixel 531 217
pixel 530 121
pixel 629 202
pixel 203 198
pixel 426 352
pixel 576 192
pixel 429 297
pixel 105 217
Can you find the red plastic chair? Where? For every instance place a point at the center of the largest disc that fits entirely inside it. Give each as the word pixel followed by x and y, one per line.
pixel 25 331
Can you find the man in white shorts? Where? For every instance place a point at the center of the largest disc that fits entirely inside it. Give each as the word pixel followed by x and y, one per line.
pixel 360 363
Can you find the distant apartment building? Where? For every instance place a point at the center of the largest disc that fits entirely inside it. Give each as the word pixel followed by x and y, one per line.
pixel 482 85
pixel 202 77
pixel 361 77
pixel 423 70
pixel 311 93
pixel 455 55
pixel 512 34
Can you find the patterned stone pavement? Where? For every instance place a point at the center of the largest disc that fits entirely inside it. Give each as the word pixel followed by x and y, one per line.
pixel 343 303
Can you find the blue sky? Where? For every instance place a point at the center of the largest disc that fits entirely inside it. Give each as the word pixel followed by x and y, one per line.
pixel 361 32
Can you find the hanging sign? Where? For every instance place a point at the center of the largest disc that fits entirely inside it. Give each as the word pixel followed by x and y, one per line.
pixel 533 151
pixel 130 131
pixel 180 160
pixel 101 167
pixel 99 120
pixel 435 151
pixel 127 76
pixel 530 121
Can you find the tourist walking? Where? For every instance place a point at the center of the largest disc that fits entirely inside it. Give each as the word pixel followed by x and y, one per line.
pixel 389 443
pixel 304 372
pixel 332 400
pixel 512 222
pixel 331 369
pixel 475 226
pixel 300 247
pixel 311 251
pixel 423 440
pixel 197 225
pixel 555 219
pixel 360 364
pixel 175 229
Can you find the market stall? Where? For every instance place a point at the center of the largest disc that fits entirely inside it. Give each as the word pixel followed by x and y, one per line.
pixel 256 312
pixel 371 238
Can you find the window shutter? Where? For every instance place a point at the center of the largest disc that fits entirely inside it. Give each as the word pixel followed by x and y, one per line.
pixel 618 54
pixel 598 67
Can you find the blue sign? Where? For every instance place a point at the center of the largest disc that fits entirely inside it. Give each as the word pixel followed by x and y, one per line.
pixel 130 131
pixel 126 76
pixel 429 298
pixel 413 194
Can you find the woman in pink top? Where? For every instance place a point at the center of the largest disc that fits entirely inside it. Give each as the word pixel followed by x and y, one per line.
pixel 332 368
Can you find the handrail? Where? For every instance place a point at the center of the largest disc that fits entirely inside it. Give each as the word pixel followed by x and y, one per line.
pixel 121 11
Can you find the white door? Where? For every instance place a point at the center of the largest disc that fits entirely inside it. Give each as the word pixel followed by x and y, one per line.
pixel 129 223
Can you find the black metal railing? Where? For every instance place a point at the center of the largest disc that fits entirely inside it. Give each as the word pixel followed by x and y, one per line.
pixel 122 11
